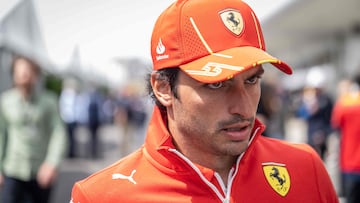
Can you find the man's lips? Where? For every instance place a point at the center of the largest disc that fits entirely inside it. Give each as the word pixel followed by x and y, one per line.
pixel 230 129
pixel 237 126
pixel 238 132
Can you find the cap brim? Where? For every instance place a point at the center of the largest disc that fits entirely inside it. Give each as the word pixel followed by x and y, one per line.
pixel 226 64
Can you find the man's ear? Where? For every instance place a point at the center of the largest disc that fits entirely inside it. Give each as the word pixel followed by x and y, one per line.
pixel 161 89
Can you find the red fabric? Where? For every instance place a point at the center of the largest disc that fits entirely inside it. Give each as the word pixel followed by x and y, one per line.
pixel 346 117
pixel 163 176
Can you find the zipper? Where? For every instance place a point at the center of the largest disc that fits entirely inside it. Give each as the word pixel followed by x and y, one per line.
pixel 231 176
pixel 197 170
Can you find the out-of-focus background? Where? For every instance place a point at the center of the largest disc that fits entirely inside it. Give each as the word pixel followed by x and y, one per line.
pixel 104 46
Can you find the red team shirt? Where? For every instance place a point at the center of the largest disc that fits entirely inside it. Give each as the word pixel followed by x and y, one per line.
pixel 346 117
pixel 270 170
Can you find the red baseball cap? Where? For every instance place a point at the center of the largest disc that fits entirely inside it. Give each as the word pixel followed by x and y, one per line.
pixel 210 40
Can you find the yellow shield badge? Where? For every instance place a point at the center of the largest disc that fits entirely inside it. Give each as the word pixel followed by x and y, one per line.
pixel 278 177
pixel 232 20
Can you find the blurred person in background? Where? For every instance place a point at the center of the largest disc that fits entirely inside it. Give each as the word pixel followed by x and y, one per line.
pixel 94 120
pixel 32 137
pixel 346 118
pixel 315 108
pixel 67 104
pixel 88 114
pixel 203 142
pixel 130 116
pixel 122 119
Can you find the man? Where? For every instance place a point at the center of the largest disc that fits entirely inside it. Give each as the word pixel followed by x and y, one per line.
pixel 346 118
pixel 67 107
pixel 315 108
pixel 32 137
pixel 203 142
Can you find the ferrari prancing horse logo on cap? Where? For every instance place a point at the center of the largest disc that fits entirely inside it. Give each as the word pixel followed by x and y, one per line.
pixel 278 177
pixel 232 20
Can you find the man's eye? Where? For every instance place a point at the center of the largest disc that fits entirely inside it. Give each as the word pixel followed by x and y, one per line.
pixel 253 80
pixel 216 85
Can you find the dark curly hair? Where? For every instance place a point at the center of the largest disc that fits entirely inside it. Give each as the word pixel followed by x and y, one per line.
pixel 167 74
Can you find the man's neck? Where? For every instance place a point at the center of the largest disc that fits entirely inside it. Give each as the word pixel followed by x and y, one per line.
pixel 220 164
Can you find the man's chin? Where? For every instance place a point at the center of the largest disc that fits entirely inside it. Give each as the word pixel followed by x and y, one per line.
pixel 236 148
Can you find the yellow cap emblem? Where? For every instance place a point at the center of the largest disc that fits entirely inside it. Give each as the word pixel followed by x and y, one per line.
pixel 233 21
pixel 278 177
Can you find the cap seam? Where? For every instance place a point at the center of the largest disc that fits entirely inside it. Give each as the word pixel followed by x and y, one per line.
pixel 257 30
pixel 180 33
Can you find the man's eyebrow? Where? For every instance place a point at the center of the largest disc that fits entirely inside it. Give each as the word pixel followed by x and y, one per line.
pixel 260 71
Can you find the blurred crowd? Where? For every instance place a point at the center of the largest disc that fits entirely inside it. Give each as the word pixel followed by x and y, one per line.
pixel 92 107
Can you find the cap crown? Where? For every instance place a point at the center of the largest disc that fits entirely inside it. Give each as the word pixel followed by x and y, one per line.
pixel 191 29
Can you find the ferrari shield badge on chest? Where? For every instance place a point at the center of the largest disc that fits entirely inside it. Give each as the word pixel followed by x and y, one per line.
pixel 233 21
pixel 278 177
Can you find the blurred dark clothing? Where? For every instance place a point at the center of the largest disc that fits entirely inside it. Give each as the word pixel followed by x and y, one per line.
pixel 14 190
pixel 94 109
pixel 351 187
pixel 94 121
pixel 316 108
pixel 70 129
pixel 135 110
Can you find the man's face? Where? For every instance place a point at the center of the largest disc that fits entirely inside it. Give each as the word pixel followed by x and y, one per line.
pixel 24 73
pixel 217 118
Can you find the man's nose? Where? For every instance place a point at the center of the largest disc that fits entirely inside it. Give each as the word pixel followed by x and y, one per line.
pixel 242 103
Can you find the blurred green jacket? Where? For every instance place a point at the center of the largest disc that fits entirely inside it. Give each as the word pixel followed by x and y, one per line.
pixel 31 133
